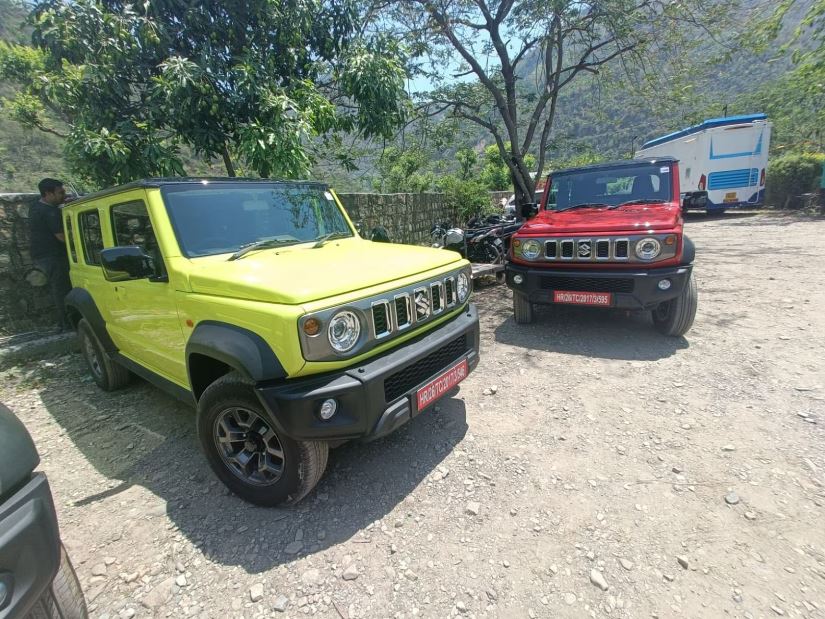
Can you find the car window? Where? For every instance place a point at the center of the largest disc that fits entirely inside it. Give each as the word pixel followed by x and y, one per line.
pixel 91 236
pixel 610 186
pixel 131 225
pixel 70 239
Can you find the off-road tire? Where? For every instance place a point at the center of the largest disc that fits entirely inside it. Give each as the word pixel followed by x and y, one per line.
pixel 108 374
pixel 675 317
pixel 522 309
pixel 64 598
pixel 303 462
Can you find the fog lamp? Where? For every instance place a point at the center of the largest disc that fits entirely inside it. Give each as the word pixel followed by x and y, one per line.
pixel 518 279
pixel 664 284
pixel 328 409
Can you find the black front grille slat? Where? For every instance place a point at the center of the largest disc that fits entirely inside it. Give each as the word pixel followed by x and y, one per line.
pixel 380 320
pixel 402 381
pixel 449 291
pixel 621 249
pixel 435 290
pixel 402 314
pixel 587 284
pixel 551 249
pixel 567 249
pixel 602 249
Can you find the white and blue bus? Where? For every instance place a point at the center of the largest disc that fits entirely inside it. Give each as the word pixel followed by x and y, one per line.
pixel 725 157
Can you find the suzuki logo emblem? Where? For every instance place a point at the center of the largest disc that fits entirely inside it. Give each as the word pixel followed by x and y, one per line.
pixel 584 249
pixel 422 304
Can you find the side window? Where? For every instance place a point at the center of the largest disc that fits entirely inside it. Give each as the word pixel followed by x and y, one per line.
pixel 91 236
pixel 132 226
pixel 70 234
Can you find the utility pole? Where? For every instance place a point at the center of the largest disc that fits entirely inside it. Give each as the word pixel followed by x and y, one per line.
pixel 725 111
pixel 632 144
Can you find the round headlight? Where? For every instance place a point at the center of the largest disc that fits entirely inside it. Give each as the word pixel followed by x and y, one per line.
pixel 462 287
pixel 648 249
pixel 343 332
pixel 530 249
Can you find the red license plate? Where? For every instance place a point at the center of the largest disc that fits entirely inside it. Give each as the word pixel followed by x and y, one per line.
pixel 582 298
pixel 440 385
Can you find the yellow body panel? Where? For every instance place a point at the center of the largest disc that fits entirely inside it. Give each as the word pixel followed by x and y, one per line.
pixel 265 291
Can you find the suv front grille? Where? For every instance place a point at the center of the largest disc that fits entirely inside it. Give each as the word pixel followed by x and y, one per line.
pixel 381 318
pixel 402 381
pixel 586 250
pixel 587 284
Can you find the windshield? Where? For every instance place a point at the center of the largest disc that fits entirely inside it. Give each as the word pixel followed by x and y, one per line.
pixel 639 184
pixel 222 218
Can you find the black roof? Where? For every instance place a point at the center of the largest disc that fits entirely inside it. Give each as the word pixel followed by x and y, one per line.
pixel 621 163
pixel 184 180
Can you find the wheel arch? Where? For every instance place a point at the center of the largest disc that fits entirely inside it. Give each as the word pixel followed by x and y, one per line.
pixel 688 250
pixel 80 304
pixel 216 348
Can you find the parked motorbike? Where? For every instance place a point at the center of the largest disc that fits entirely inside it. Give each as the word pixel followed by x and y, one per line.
pixel 483 245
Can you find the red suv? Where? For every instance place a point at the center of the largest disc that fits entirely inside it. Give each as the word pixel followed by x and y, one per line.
pixel 608 235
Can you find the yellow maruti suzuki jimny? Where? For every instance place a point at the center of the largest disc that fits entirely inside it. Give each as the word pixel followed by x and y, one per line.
pixel 258 302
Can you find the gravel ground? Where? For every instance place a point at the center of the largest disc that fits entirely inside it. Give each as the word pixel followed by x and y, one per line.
pixel 588 467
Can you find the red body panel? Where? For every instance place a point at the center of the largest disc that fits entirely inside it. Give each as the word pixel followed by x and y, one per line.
pixel 593 222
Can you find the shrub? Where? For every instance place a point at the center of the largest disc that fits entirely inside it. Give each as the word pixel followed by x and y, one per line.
pixel 791 175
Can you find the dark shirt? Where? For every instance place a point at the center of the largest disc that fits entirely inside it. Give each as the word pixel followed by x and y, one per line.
pixel 44 223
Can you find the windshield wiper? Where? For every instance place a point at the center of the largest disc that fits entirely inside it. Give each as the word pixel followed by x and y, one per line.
pixel 583 205
pixel 327 237
pixel 641 201
pixel 263 244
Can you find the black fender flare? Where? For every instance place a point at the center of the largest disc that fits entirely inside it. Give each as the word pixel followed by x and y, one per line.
pixel 80 300
pixel 688 251
pixel 239 348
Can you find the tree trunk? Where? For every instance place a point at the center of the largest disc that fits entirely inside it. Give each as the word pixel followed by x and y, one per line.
pixel 227 161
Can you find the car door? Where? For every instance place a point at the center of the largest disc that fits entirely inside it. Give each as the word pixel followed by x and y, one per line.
pixel 144 311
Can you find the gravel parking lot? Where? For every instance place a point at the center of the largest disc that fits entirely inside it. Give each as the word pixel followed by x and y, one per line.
pixel 589 467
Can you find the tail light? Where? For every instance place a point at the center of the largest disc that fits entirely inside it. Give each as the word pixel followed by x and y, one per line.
pixel 703 182
pixel 762 178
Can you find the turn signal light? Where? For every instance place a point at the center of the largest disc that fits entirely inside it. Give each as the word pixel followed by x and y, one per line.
pixel 516 243
pixel 312 326
pixel 670 240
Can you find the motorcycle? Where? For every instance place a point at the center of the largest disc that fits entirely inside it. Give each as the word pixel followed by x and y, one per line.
pixel 479 246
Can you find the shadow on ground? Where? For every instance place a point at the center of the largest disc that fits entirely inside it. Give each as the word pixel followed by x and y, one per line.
pixel 141 437
pixel 582 331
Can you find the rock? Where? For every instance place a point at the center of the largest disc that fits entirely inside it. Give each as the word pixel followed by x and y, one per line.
pixel 493 388
pixel 473 508
pixel 731 498
pixel 256 592
pixel 492 595
pixel 99 569
pixel 777 610
pixel 728 448
pixel 597 579
pixel 669 577
pixel 461 607
pixel 311 577
pixel 683 561
pixel 677 469
pixel 180 581
pixel 179 566
pixel 293 548
pixel 750 515
pixel 351 573
pixel 127 613
pixel 127 578
pixel 569 598
pixel 626 564
pixel 109 560
pixel 281 603
pixel 158 596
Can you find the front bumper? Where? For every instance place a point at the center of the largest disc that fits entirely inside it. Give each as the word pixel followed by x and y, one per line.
pixel 29 546
pixel 632 289
pixel 377 397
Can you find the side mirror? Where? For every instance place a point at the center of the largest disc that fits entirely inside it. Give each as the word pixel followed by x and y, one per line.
pixel 379 234
pixel 529 210
pixel 124 263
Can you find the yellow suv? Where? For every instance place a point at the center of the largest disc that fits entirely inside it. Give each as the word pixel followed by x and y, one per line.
pixel 258 302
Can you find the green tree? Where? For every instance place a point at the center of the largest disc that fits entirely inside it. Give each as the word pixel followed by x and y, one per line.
pixel 495 40
pixel 261 85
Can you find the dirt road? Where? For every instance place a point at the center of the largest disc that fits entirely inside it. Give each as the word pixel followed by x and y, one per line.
pixel 590 467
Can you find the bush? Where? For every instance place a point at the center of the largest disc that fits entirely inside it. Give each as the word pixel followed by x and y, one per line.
pixel 465 197
pixel 791 175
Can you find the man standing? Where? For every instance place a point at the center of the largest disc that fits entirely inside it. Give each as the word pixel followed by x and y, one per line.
pixel 48 245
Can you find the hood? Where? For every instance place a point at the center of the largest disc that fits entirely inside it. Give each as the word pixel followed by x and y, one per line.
pixel 301 274
pixel 627 219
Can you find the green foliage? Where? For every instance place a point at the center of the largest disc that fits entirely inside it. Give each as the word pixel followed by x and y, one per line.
pixel 791 175
pixel 403 171
pixel 495 174
pixel 467 197
pixel 135 85
pixel 467 160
